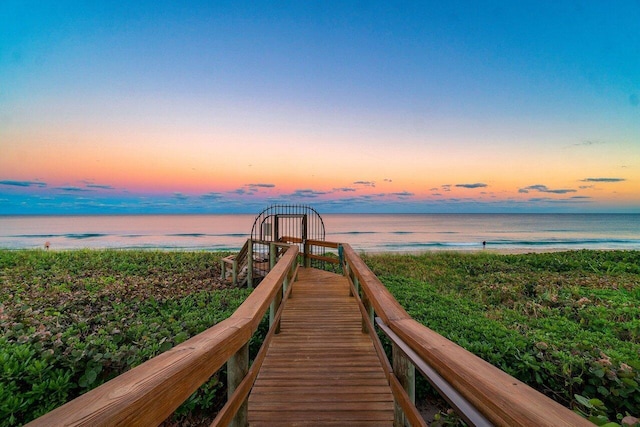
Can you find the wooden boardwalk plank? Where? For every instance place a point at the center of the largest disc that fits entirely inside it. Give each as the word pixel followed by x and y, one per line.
pixel 321 369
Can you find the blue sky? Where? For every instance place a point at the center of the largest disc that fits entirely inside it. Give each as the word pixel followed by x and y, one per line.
pixel 118 107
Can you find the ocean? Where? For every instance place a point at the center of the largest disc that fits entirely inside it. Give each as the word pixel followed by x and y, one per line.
pixel 364 232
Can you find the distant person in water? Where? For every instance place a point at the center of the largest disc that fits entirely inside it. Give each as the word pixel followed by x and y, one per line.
pixel 46 245
pixel 484 244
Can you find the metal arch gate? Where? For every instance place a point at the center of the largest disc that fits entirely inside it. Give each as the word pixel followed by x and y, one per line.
pixel 293 224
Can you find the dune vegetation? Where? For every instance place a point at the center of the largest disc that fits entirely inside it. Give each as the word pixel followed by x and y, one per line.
pixel 72 320
pixel 566 323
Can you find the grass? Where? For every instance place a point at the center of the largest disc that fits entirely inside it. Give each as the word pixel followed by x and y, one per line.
pixel 566 323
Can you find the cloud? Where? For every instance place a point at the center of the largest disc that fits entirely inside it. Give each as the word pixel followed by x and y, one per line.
pixel 240 191
pixel 603 180
pixel 211 196
pixel 344 189
pixel 366 183
pixel 308 193
pixel 446 187
pixel 388 180
pixel 544 189
pixel 475 185
pixel 100 187
pixel 561 201
pixel 588 143
pixel 13 183
pixel 402 194
pixel 251 189
pixel 72 189
pixel 180 196
pixel 260 185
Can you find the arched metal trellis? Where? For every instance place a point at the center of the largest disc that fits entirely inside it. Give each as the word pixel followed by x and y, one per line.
pixel 280 223
pixel 293 224
pixel 275 228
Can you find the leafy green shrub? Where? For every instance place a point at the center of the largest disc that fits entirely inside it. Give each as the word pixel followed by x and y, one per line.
pixel 566 323
pixel 71 321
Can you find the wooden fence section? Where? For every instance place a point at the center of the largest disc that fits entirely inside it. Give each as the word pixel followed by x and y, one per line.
pixel 321 368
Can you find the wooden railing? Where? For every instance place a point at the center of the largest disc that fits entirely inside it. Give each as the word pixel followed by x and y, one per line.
pixel 307 253
pixel 237 262
pixel 491 396
pixel 149 393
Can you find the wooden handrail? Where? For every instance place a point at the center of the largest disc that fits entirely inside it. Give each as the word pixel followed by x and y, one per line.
pixel 291 239
pixel 400 395
pixel 501 398
pixel 226 414
pixel 150 392
pixel 323 243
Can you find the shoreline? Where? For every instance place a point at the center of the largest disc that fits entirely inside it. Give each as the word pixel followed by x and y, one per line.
pixel 473 251
pixel 495 251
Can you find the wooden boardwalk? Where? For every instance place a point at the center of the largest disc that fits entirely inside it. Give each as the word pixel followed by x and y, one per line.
pixel 321 369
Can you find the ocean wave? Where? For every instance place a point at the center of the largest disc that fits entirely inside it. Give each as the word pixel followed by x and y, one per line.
pixel 79 236
pixel 207 235
pixel 410 245
pixel 553 243
pixel 354 233
pixel 36 236
pixel 564 242
pixel 366 232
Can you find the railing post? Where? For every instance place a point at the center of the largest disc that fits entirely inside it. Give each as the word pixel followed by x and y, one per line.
pixel 356 284
pixel 272 255
pixel 287 281
pixel 277 299
pixel 285 285
pixel 273 307
pixel 405 371
pixel 307 260
pixel 234 272
pixel 346 270
pixel 250 264
pixel 369 308
pixel 237 368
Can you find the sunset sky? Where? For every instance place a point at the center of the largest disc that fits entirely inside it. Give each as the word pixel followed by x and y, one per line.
pixel 216 107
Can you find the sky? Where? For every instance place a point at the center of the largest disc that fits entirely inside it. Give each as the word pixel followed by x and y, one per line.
pixel 364 106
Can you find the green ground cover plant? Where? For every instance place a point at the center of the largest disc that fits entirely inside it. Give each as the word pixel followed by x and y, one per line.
pixel 72 320
pixel 566 323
